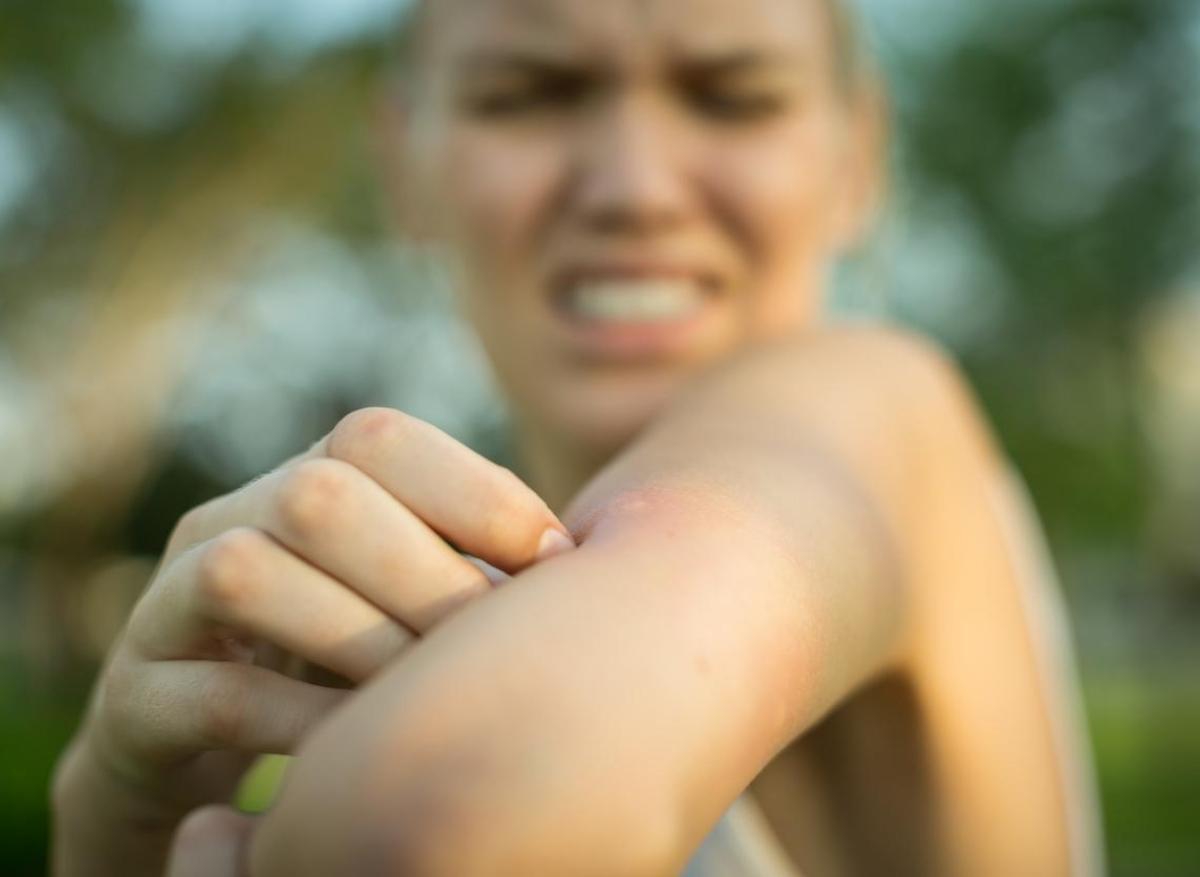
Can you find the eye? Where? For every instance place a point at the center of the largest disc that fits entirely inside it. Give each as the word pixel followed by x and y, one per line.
pixel 532 95
pixel 728 104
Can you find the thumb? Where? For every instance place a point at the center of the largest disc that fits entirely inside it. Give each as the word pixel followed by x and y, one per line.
pixel 212 842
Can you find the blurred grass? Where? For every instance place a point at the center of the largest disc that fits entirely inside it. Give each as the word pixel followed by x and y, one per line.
pixel 30 742
pixel 1146 734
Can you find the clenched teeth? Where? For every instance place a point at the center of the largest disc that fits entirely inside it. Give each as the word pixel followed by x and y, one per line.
pixel 634 300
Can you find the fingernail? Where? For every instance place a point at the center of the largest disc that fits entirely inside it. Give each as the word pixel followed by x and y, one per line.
pixel 553 542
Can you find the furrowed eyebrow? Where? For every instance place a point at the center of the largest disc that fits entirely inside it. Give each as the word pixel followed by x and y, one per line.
pixel 532 61
pixel 495 62
pixel 733 63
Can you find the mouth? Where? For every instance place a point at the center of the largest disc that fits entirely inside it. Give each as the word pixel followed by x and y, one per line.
pixel 631 312
pixel 631 300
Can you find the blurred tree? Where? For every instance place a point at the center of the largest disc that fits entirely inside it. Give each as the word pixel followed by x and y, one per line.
pixel 154 154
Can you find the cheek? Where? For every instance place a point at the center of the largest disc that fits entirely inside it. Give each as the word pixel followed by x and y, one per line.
pixel 498 193
pixel 780 189
pixel 497 197
pixel 780 196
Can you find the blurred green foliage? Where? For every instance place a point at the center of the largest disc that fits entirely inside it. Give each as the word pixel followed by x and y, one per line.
pixel 1044 224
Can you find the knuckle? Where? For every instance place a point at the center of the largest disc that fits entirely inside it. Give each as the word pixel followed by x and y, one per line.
pixel 311 493
pixel 224 706
pixel 119 689
pixel 363 432
pixel 189 526
pixel 125 702
pixel 226 571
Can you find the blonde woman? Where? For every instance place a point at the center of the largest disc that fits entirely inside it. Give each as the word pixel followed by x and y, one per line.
pixel 791 602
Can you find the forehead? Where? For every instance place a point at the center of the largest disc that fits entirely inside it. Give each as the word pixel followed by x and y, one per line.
pixel 609 29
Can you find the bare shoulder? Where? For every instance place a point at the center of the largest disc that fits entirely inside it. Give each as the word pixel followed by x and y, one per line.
pixel 987 665
pixel 876 378
pixel 866 344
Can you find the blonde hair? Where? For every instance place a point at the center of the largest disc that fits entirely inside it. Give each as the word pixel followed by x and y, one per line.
pixel 854 67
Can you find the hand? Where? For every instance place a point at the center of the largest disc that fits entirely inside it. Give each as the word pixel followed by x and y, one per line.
pixel 340 557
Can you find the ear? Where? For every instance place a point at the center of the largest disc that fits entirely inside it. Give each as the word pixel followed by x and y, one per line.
pixel 866 174
pixel 395 150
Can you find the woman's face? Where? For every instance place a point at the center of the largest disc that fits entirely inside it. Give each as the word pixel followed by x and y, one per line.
pixel 632 189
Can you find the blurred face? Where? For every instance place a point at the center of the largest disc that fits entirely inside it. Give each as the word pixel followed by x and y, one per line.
pixel 632 189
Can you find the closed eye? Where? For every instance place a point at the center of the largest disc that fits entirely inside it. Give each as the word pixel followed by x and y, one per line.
pixel 736 105
pixel 743 86
pixel 518 87
pixel 524 98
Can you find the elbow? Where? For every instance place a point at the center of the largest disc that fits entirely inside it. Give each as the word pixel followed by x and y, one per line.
pixel 430 832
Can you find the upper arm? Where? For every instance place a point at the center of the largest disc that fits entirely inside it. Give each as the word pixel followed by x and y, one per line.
pixel 992 666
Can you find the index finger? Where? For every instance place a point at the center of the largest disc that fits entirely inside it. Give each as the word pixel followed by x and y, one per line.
pixel 480 507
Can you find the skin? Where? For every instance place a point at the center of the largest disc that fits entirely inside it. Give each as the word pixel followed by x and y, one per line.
pixel 801 567
pixel 638 160
pixel 338 558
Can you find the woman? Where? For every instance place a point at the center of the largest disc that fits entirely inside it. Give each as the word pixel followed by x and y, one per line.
pixel 793 564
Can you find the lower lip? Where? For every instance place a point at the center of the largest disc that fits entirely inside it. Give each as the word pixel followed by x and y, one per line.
pixel 632 341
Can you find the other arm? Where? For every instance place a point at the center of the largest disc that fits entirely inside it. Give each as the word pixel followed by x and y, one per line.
pixel 744 567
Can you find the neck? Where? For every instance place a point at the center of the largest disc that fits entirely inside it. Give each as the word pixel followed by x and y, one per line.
pixel 557 469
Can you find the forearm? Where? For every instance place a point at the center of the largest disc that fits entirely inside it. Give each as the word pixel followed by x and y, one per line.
pixel 555 723
pixel 601 710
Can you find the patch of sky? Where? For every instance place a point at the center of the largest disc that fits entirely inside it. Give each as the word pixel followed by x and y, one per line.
pixel 307 324
pixel 218 29
pixel 29 136
pixel 1065 170
pixel 38 152
pixel 945 277
pixel 18 164
pixel 1190 75
pixel 138 87
pixel 920 26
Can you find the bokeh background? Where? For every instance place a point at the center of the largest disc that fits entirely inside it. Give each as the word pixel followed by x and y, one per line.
pixel 197 278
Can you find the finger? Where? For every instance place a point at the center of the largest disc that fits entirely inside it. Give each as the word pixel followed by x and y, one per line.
pixel 207 520
pixel 212 842
pixel 481 507
pixel 184 707
pixel 244 583
pixel 332 515
pixel 340 519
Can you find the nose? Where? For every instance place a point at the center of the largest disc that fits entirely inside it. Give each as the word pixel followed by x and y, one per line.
pixel 629 176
